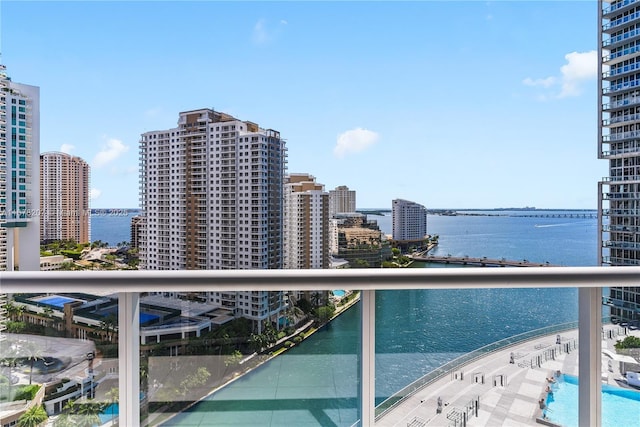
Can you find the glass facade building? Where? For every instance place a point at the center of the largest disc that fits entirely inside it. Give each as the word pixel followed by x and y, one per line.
pixel 619 145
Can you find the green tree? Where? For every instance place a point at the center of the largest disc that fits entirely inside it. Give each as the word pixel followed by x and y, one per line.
pixel 233 359
pixel 33 417
pixel 109 324
pixel 85 414
pixel 325 313
pixel 628 342
pixel 32 353
pixel 113 395
pixel 198 378
pixel 315 299
pixel 361 263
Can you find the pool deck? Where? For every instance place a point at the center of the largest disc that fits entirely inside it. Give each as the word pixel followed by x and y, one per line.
pixel 515 403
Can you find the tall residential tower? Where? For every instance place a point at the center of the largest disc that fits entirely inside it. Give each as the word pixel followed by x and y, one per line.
pixel 341 200
pixel 64 197
pixel 306 225
pixel 409 220
pixel 619 144
pixel 19 175
pixel 211 196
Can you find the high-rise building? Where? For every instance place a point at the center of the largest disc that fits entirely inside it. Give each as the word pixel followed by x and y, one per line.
pixel 341 200
pixel 19 175
pixel 64 198
pixel 409 220
pixel 136 231
pixel 211 196
pixel 306 223
pixel 619 144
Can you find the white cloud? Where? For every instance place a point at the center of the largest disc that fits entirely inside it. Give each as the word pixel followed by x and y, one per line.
pixel 260 34
pixel 113 149
pixel 94 193
pixel 580 68
pixel 264 34
pixel 67 148
pixel 354 141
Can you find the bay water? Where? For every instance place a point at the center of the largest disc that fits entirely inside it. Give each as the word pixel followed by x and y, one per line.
pixel 316 383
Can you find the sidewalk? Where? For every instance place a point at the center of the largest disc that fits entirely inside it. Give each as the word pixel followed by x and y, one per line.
pixel 506 393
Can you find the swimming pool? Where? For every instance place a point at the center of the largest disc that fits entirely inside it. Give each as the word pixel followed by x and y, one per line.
pixel 56 300
pixel 109 413
pixel 338 293
pixel 620 406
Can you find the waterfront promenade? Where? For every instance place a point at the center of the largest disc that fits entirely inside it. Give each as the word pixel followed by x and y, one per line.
pixel 507 393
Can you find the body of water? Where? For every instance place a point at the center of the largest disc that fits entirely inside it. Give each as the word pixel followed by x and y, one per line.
pixel 317 382
pixel 111 225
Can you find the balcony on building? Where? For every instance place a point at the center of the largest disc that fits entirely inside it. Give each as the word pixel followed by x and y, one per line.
pixel 124 371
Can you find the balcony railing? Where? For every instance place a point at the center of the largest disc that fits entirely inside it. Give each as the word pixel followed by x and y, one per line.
pixel 618 6
pixel 128 285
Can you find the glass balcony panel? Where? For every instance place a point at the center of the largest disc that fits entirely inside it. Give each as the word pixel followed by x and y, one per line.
pixel 209 364
pixel 60 351
pixel 492 290
pixel 441 353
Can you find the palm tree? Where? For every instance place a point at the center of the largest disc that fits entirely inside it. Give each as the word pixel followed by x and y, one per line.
pixel 88 414
pixel 9 357
pixel 315 299
pixel 85 414
pixel 109 324
pixel 113 395
pixel 34 353
pixel 33 417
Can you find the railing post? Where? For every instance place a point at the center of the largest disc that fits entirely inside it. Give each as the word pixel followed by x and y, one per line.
pixel 129 358
pixel 367 358
pixel 589 357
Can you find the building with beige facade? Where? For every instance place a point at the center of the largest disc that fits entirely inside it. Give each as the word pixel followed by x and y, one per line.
pixel 341 200
pixel 64 196
pixel 212 198
pixel 306 223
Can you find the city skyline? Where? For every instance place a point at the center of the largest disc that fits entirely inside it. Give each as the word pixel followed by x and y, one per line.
pixel 483 107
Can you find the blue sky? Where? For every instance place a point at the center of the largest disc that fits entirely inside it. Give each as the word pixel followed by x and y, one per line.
pixel 450 104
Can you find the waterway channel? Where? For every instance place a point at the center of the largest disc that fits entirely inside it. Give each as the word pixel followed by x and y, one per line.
pixel 316 383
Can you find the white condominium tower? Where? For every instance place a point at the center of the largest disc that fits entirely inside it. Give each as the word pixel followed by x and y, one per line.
pixel 211 196
pixel 341 200
pixel 19 171
pixel 64 197
pixel 306 223
pixel 619 144
pixel 409 220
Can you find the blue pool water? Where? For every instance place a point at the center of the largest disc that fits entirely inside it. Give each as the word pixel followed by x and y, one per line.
pixel 620 406
pixel 338 293
pixel 109 413
pixel 144 317
pixel 56 301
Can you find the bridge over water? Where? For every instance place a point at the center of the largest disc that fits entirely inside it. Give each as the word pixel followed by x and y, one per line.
pixel 582 215
pixel 481 262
